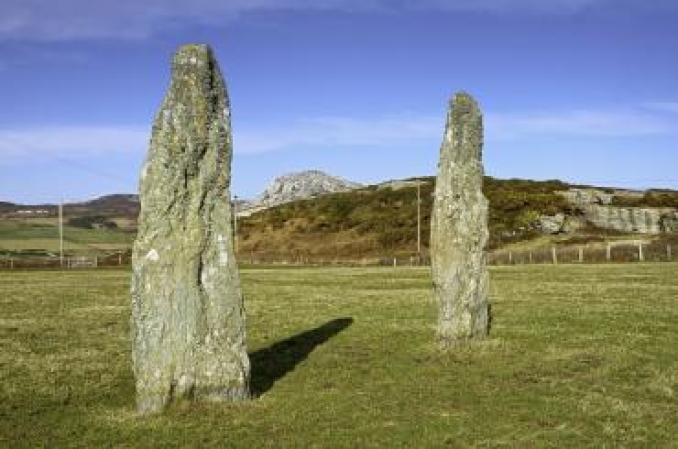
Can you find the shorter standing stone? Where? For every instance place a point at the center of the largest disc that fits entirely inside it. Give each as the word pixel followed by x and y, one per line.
pixel 459 231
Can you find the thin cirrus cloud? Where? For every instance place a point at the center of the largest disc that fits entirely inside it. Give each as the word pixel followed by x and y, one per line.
pixel 20 145
pixel 338 132
pixel 663 106
pixel 40 20
pixel 346 132
pixel 582 123
pixel 17 146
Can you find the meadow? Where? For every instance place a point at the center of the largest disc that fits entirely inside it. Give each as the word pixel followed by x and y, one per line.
pixel 579 356
pixel 30 237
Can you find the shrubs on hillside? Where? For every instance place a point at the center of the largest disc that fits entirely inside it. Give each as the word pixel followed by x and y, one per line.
pixel 387 217
pixel 517 204
pixel 92 222
pixel 651 198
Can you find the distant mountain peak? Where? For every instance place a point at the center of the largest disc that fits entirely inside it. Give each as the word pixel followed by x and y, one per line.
pixel 302 185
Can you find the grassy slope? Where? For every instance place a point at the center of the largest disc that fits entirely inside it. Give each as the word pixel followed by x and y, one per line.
pixel 383 221
pixel 580 356
pixel 40 235
pixel 366 223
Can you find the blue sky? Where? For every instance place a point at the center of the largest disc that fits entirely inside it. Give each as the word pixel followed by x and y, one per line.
pixel 580 90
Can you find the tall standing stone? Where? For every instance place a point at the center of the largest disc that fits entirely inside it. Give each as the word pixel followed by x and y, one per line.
pixel 459 228
pixel 188 323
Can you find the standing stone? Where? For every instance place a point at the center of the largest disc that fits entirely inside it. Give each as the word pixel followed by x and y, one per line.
pixel 188 323
pixel 459 228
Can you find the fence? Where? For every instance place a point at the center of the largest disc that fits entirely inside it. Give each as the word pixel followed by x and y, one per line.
pixel 619 252
pixel 73 262
pixel 606 253
pixel 612 252
pixel 281 259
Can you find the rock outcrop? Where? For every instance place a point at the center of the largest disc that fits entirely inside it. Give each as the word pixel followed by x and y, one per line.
pixel 580 197
pixel 459 231
pixel 188 327
pixel 553 224
pixel 301 186
pixel 595 207
pixel 641 220
pixel 559 223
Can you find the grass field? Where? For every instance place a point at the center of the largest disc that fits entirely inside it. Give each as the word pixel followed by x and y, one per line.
pixel 28 237
pixel 579 356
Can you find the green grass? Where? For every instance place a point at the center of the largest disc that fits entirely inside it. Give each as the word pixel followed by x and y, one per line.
pixel 19 236
pixel 579 356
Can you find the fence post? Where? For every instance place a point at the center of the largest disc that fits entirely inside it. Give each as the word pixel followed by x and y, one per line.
pixel 530 256
pixel 641 257
pixel 608 252
pixel 668 252
pixel 119 259
pixel 96 261
pixel 554 255
pixel 581 254
pixel 395 262
pixel 510 257
pixel 11 263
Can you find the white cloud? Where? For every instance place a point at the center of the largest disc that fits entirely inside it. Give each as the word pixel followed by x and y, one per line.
pixel 38 20
pixel 41 20
pixel 500 6
pixel 586 123
pixel 663 106
pixel 70 141
pixel 73 142
pixel 338 132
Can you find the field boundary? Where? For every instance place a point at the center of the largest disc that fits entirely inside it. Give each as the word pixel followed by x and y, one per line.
pixel 610 252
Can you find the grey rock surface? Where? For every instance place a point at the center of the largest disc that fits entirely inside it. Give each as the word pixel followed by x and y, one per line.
pixel 459 231
pixel 595 207
pixel 579 197
pixel 302 185
pixel 188 323
pixel 641 220
pixel 552 224
pixel 668 222
pixel 559 223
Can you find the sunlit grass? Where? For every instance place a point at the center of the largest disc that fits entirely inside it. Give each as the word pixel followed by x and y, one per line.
pixel 37 236
pixel 579 356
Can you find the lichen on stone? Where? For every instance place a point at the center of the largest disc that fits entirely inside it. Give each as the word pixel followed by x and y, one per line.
pixel 459 231
pixel 188 322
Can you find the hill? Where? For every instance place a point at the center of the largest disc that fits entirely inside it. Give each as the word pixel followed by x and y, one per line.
pixel 298 186
pixel 381 220
pixel 361 222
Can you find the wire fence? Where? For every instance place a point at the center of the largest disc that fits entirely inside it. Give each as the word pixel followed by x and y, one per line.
pixel 620 252
pixel 68 263
pixel 612 252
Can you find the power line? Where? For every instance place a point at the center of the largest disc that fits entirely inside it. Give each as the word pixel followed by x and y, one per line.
pixel 72 163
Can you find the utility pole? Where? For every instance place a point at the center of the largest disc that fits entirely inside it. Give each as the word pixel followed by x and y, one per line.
pixel 419 220
pixel 235 224
pixel 61 233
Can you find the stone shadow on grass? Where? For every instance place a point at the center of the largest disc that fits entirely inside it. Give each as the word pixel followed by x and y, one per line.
pixel 272 364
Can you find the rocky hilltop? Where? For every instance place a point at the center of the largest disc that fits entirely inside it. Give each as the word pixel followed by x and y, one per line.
pixel 610 210
pixel 300 186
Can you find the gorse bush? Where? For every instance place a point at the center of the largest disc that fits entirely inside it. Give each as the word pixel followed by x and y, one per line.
pixel 651 198
pixel 92 222
pixel 384 219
